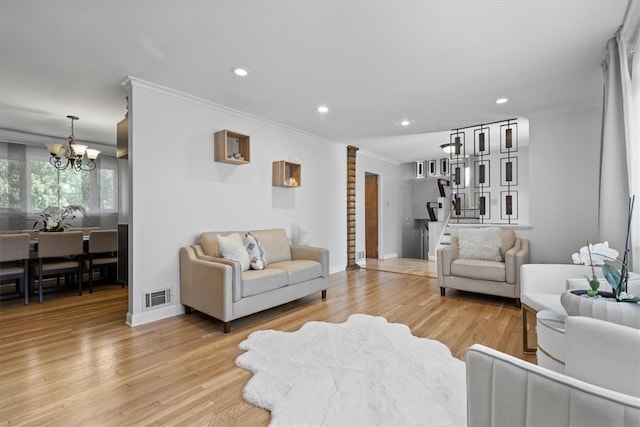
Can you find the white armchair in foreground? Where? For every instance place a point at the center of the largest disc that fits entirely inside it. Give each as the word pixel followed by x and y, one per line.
pixel 600 387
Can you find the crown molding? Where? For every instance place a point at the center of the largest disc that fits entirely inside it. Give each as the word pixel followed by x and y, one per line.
pixel 136 82
pixel 377 156
pixel 132 82
pixel 564 109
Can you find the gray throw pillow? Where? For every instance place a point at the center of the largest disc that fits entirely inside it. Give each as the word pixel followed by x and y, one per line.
pixel 257 257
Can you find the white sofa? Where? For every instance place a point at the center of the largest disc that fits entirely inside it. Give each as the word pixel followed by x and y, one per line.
pixel 218 287
pixel 600 387
pixel 540 288
pixel 542 285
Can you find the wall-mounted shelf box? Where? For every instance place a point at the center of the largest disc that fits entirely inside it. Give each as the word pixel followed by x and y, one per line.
pixel 286 174
pixel 232 147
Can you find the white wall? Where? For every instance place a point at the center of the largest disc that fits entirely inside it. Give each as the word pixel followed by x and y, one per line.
pixel 178 191
pixel 564 160
pixel 424 190
pixel 414 211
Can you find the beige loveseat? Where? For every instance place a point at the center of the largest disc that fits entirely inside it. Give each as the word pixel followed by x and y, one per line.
pixel 218 287
pixel 499 277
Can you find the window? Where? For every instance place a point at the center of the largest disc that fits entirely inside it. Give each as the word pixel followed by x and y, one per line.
pixel 52 187
pixel 10 193
pixel 108 189
pixel 28 184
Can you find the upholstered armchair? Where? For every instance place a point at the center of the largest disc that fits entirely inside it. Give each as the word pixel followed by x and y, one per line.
pixel 542 286
pixel 505 390
pixel 483 260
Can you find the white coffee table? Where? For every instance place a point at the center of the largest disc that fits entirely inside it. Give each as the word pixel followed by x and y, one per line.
pixel 550 332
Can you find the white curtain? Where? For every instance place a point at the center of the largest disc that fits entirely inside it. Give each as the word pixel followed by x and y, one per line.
pixel 620 167
pixel 614 184
pixel 629 45
pixel 16 211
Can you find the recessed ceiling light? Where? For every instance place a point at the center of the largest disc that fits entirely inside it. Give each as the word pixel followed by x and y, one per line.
pixel 501 100
pixel 323 109
pixel 404 122
pixel 241 72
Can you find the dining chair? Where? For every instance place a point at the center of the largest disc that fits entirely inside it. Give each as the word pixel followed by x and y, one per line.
pixel 14 261
pixel 85 230
pixel 102 251
pixel 60 252
pixel 33 234
pixel 9 232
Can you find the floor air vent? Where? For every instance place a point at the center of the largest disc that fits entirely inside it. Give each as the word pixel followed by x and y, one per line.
pixel 156 298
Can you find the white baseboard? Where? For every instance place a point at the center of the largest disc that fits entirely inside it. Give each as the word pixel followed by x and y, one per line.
pixel 149 316
pixel 389 256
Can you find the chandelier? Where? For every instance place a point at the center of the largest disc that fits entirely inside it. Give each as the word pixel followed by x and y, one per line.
pixel 76 156
pixel 450 147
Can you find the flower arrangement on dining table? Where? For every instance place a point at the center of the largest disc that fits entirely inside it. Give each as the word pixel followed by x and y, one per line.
pixel 601 254
pixel 53 217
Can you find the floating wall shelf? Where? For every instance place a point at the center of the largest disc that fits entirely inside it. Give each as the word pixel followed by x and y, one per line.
pixel 232 147
pixel 286 174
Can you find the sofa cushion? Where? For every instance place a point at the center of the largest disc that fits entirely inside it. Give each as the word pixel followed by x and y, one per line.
pixel 255 282
pixel 275 244
pixel 233 248
pixel 209 242
pixel 299 270
pixel 256 252
pixel 480 243
pixel 478 269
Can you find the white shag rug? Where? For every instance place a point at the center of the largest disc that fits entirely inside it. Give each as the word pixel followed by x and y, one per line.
pixel 363 372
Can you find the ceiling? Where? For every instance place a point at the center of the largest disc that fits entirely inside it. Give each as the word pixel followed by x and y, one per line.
pixel 440 64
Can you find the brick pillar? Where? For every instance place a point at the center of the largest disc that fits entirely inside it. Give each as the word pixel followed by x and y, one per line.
pixel 351 208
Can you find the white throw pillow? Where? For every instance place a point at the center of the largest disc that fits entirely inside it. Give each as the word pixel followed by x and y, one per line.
pixel 257 258
pixel 232 247
pixel 480 243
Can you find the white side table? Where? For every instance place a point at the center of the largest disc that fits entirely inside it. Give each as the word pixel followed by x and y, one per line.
pixel 550 331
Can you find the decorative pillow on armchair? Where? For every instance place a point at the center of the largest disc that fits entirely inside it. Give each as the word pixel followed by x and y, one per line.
pixel 480 243
pixel 257 258
pixel 231 247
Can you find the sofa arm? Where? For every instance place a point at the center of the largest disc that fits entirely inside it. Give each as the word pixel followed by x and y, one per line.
pixel 236 275
pixel 445 255
pixel 312 253
pixel 205 285
pixel 550 278
pixel 515 258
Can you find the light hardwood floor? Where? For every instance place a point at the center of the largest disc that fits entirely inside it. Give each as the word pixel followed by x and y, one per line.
pixel 414 266
pixel 73 361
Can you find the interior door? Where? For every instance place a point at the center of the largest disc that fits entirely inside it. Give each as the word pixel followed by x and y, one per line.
pixel 371 215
